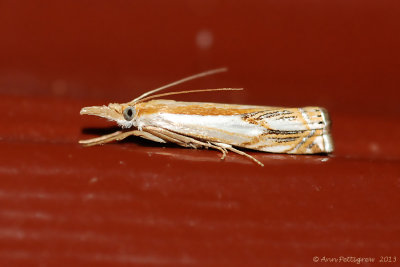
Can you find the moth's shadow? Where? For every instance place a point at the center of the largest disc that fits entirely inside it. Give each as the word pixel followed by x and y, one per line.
pixel 100 131
pixel 95 132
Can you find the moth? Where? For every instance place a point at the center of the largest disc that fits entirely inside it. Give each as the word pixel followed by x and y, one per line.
pixel 224 127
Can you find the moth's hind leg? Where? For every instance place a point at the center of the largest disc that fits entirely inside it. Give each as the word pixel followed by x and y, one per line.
pixel 237 151
pixel 186 141
pixel 120 135
pixel 183 140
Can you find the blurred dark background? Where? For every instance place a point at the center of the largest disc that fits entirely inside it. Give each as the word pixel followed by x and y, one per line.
pixel 340 54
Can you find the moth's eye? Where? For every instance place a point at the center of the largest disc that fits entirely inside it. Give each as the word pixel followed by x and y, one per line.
pixel 129 113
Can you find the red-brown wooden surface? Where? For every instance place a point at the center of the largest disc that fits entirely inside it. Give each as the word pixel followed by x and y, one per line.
pixel 140 203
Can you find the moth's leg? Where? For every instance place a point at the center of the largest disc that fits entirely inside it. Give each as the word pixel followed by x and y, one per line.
pixel 119 135
pixel 229 147
pixel 101 139
pixel 182 140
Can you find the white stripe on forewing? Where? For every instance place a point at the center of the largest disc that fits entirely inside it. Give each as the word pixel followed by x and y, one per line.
pixel 305 116
pixel 232 124
pixel 288 124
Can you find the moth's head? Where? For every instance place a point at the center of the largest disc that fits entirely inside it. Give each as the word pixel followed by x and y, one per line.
pixel 123 114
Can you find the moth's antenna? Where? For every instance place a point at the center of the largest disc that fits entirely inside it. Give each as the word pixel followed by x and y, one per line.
pixel 187 92
pixel 199 75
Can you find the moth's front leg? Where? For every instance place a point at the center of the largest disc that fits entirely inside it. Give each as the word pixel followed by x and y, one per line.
pixel 120 135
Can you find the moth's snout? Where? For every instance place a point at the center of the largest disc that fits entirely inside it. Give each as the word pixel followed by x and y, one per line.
pixel 87 111
pixel 95 110
pixel 102 111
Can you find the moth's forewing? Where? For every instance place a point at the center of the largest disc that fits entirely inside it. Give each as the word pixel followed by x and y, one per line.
pixel 271 129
